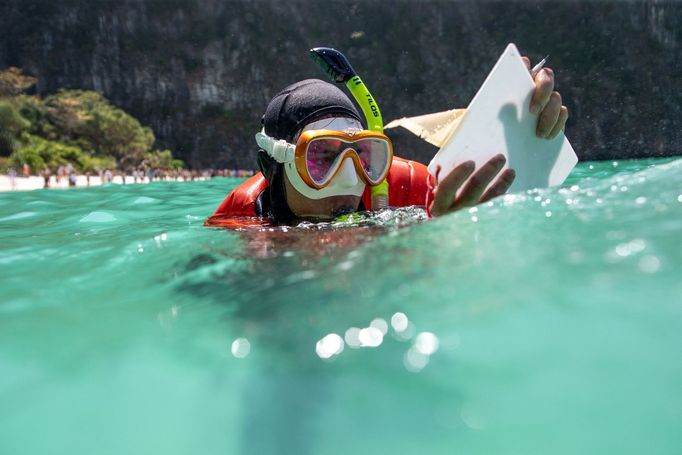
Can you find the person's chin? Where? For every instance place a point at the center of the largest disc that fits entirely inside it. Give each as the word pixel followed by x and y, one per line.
pixel 336 206
pixel 342 205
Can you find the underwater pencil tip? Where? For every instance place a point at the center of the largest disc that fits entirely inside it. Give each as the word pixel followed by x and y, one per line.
pixel 536 69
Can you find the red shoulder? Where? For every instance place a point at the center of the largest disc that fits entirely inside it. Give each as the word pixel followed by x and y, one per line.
pixel 242 200
pixel 407 184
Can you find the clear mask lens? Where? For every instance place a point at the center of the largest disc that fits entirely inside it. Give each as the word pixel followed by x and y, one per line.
pixel 323 156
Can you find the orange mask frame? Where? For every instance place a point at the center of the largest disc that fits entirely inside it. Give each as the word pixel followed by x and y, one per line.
pixel 349 138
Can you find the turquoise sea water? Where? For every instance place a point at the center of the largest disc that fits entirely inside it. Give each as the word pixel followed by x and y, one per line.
pixel 543 322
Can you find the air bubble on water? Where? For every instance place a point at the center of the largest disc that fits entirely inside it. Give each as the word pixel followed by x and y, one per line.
pixel 426 343
pixel 509 199
pixel 370 337
pixel 241 348
pixel 406 334
pixel 649 264
pixel 330 345
pixel 352 337
pixel 637 245
pixel 380 324
pixel 625 249
pixel 345 265
pixel 548 214
pixel 414 360
pixel 640 200
pixel 622 250
pixel 472 417
pixel 160 238
pixel 399 322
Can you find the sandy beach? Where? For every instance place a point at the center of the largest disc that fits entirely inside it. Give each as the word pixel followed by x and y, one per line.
pixel 35 182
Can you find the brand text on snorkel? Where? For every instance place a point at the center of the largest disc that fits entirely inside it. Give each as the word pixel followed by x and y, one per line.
pixel 372 105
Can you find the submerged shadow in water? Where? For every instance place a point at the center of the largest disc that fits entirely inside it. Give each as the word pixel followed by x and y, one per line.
pixel 290 389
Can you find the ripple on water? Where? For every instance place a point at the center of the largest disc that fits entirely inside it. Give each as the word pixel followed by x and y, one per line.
pixel 98 217
pixel 145 200
pixel 18 216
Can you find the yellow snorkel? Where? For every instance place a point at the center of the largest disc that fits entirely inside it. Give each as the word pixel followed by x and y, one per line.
pixel 336 65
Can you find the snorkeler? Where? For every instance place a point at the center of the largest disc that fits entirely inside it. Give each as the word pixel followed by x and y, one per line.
pixel 317 161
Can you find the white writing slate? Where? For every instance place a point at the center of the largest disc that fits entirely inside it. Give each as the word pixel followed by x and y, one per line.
pixel 498 120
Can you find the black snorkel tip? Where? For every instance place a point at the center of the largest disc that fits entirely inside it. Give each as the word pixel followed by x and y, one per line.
pixel 334 63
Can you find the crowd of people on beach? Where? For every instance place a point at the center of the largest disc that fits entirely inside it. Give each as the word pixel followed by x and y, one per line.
pixel 67 175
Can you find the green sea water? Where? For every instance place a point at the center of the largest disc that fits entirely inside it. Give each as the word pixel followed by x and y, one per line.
pixel 542 322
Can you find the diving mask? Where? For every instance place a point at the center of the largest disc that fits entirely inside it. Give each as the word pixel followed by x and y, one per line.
pixel 332 157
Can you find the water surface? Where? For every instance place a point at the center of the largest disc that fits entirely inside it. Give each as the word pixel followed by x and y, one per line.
pixel 542 322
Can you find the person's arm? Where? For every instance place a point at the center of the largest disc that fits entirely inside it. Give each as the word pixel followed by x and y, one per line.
pixel 551 120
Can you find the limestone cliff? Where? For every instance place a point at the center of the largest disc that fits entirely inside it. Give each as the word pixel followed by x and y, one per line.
pixel 200 72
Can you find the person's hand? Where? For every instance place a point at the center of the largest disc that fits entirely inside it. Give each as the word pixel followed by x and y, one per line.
pixel 445 197
pixel 552 116
pixel 546 103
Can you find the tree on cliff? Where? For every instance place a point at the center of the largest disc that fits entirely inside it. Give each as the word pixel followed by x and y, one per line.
pixel 13 82
pixel 87 120
pixel 71 126
pixel 12 124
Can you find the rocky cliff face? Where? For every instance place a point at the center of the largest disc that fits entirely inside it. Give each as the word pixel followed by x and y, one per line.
pixel 200 72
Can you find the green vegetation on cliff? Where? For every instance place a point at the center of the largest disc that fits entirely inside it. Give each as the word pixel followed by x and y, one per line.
pixel 71 126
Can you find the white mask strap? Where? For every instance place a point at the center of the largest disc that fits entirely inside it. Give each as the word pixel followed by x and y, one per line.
pixel 280 150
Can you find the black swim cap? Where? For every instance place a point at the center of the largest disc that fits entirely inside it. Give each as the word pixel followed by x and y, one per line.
pixel 288 112
pixel 302 103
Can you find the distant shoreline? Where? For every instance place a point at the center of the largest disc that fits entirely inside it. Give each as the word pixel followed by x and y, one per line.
pixel 36 183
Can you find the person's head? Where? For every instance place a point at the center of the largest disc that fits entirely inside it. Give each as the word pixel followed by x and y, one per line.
pixel 318 182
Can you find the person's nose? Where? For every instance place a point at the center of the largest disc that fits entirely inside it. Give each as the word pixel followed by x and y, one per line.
pixel 347 177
